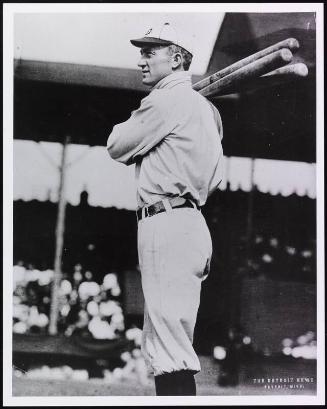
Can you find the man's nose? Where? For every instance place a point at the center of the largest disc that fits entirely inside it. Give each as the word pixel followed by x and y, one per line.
pixel 141 63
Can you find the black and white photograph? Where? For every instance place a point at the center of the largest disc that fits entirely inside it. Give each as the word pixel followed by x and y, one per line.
pixel 163 201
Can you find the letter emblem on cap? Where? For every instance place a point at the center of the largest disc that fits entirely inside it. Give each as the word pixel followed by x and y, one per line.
pixel 148 32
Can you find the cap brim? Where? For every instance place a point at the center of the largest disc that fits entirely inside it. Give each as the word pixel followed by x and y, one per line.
pixel 148 41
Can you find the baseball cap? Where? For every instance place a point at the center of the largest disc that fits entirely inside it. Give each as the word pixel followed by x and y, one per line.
pixel 164 34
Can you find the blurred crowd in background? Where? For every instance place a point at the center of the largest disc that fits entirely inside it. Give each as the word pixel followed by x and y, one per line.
pixel 274 258
pixel 91 306
pixel 88 307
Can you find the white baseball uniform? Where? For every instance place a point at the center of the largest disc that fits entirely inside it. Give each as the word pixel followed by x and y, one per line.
pixel 174 138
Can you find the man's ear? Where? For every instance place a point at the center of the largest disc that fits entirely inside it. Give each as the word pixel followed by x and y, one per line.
pixel 177 60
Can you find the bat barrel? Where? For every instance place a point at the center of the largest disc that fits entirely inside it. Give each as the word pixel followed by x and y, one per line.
pixel 280 76
pixel 257 68
pixel 290 43
pixel 295 70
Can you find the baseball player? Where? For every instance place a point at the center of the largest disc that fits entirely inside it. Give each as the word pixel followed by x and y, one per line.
pixel 174 139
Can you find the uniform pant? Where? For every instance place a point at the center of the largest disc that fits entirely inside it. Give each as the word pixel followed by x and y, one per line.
pixel 174 254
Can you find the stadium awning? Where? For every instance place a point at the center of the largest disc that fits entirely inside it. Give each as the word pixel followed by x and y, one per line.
pixel 102 38
pixel 36 175
pixel 84 86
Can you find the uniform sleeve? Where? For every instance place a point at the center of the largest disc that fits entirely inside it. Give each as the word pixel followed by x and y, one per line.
pixel 146 127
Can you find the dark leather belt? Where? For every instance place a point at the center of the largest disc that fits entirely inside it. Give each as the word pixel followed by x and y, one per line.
pixel 159 207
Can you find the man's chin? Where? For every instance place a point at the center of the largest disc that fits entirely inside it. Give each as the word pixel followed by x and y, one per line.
pixel 147 82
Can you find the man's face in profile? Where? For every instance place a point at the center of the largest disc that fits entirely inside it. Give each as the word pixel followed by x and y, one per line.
pixel 156 63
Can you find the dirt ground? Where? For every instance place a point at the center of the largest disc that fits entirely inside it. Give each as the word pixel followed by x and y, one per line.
pixel 206 385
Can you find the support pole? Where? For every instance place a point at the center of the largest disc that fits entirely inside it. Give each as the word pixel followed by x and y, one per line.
pixel 60 230
pixel 249 227
pixel 237 280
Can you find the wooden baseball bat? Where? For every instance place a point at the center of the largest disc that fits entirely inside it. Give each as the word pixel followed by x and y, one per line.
pixel 255 69
pixel 278 77
pixel 290 43
pixel 290 70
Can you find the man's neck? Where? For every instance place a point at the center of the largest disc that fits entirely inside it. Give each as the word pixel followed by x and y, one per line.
pixel 176 76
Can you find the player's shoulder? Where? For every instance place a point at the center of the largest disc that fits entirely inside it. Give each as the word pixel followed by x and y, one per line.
pixel 161 94
pixel 156 97
pixel 162 100
pixel 153 100
pixel 209 103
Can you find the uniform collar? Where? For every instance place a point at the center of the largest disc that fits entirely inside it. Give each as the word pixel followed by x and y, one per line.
pixel 176 78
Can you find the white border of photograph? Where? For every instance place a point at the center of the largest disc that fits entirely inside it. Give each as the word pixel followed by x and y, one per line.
pixel 9 11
